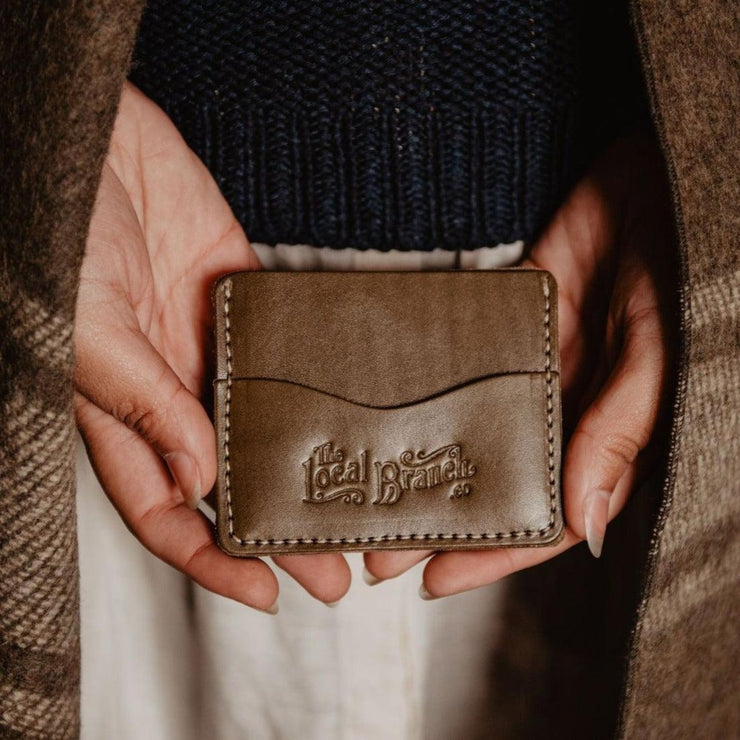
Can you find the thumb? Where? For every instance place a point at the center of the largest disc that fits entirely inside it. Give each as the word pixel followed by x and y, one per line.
pixel 600 462
pixel 124 375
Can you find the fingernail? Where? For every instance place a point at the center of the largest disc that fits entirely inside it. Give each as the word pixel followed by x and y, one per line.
pixel 425 594
pixel 595 515
pixel 185 473
pixel 274 609
pixel 332 604
pixel 369 578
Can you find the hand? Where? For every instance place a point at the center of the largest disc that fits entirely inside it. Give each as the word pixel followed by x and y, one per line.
pixel 610 249
pixel 160 234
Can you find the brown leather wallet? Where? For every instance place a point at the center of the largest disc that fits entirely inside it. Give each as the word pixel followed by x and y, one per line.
pixel 387 410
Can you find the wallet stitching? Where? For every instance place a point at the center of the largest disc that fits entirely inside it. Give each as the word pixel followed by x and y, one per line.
pixel 522 534
pixel 227 414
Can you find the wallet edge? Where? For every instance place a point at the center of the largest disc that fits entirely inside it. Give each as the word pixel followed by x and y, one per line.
pixel 231 544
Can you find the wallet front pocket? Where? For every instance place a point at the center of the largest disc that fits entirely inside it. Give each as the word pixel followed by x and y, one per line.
pixel 314 458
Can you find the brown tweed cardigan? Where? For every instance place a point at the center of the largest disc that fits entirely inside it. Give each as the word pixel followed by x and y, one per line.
pixel 642 644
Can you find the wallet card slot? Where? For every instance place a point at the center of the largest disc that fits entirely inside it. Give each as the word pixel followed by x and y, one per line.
pixel 348 475
pixel 410 402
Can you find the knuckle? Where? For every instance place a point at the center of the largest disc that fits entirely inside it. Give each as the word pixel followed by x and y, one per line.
pixel 142 420
pixel 179 394
pixel 611 453
pixel 644 323
pixel 147 417
pixel 617 451
pixel 194 558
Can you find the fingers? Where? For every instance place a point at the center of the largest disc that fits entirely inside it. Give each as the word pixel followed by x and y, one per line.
pixel 617 426
pixel 137 483
pixel 139 487
pixel 118 368
pixel 123 374
pixel 183 538
pixel 581 247
pixel 326 576
pixel 379 566
pixel 600 462
pixel 450 573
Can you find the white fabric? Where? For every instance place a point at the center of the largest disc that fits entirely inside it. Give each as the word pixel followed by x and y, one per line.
pixel 305 257
pixel 163 659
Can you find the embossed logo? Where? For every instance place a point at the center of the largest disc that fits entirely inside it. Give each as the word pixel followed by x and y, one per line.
pixel 331 475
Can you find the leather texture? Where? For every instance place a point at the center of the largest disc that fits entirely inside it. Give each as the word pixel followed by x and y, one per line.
pixel 387 410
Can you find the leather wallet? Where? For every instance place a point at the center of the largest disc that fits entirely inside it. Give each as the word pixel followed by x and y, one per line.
pixel 387 410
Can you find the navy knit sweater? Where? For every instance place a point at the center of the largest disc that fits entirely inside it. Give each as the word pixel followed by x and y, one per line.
pixel 407 124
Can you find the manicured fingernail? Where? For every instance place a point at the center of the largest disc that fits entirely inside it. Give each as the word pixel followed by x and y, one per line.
pixel 332 604
pixel 425 594
pixel 185 473
pixel 274 609
pixel 369 578
pixel 595 515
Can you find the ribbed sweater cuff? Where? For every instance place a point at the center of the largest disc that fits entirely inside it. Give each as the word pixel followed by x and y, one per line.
pixel 384 177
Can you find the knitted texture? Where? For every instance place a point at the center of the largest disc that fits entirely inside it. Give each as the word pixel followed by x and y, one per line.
pixel 62 66
pixel 683 679
pixel 408 125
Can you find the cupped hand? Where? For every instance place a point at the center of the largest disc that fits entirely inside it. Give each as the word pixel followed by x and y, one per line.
pixel 610 248
pixel 160 234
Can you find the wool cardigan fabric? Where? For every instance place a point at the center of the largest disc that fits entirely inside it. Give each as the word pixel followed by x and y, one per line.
pixel 62 65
